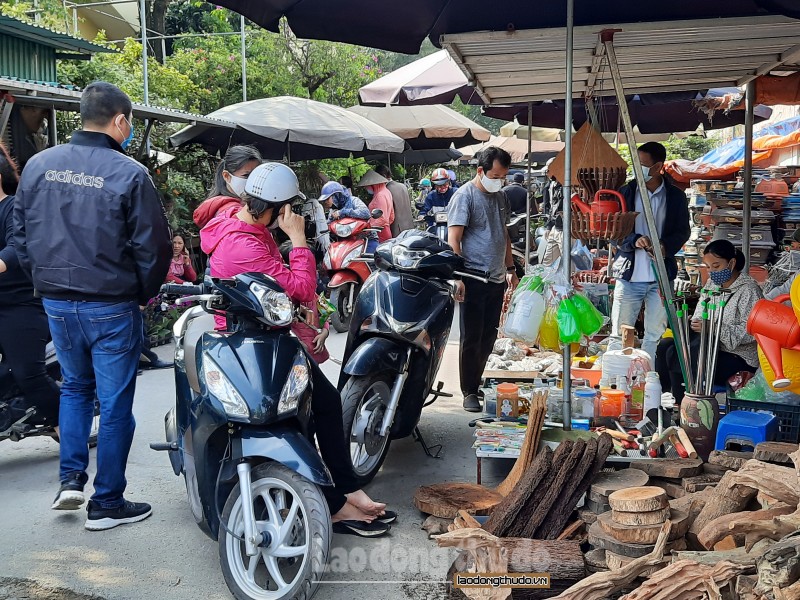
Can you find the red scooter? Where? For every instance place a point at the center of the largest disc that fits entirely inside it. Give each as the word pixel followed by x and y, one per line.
pixel 347 265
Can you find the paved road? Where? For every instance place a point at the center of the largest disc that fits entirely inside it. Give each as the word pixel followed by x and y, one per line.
pixel 168 557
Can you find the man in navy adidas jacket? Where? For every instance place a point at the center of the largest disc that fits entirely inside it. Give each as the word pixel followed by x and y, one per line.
pixel 91 231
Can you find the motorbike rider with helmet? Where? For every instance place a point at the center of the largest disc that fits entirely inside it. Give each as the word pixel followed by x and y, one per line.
pixel 424 190
pixel 240 241
pixel 336 199
pixel 438 199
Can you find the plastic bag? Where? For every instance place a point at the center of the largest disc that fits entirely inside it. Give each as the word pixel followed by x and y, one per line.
pixel 548 330
pixel 582 258
pixel 599 296
pixel 590 320
pixel 525 310
pixel 757 389
pixel 325 308
pixel 569 331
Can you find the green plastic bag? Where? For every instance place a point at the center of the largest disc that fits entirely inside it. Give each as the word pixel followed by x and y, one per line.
pixel 325 308
pixel 569 332
pixel 548 330
pixel 590 320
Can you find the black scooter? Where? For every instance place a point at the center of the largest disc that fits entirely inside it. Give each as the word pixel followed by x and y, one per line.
pixel 239 433
pixel 401 322
pixel 18 419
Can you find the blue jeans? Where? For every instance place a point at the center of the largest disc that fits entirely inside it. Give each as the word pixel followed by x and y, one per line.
pixel 98 345
pixel 628 299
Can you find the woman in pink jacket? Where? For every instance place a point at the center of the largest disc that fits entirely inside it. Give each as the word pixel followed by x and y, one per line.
pixel 239 241
pixel 382 200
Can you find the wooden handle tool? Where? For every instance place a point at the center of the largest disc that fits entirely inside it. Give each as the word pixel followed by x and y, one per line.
pixel 687 443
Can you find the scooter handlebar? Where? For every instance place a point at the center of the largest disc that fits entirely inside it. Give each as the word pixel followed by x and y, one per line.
pixel 484 277
pixel 179 289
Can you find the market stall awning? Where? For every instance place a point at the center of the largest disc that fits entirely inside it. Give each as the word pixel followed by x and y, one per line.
pixel 528 65
pixel 30 93
pixel 403 26
pixel 517 148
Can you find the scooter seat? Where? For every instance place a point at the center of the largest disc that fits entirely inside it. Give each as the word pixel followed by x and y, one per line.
pixel 191 340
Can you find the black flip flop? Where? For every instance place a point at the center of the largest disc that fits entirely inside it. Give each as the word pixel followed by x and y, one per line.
pixel 388 516
pixel 361 528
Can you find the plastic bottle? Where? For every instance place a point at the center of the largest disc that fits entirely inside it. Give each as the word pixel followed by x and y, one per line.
pixel 652 391
pixel 637 399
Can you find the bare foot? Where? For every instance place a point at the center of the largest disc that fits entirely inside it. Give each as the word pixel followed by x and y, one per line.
pixel 352 513
pixel 360 500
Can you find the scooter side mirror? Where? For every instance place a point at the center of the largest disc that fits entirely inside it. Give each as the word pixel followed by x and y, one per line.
pixel 376 213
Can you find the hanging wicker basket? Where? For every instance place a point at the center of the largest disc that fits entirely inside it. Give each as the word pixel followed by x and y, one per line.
pixel 588 227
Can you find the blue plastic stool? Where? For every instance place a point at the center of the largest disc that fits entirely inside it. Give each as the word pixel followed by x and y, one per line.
pixel 746 428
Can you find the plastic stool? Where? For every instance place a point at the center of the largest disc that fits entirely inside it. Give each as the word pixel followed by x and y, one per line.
pixel 746 428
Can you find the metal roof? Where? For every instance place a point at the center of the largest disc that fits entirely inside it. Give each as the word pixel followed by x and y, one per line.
pixel 30 93
pixel 529 65
pixel 48 37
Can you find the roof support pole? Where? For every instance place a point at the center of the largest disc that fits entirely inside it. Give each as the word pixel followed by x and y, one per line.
pixel 529 199
pixel 748 171
pixel 6 106
pixel 658 256
pixel 52 129
pixel 143 28
pixel 566 256
pixel 244 65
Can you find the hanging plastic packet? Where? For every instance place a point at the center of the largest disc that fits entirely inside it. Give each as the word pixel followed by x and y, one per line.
pixel 590 320
pixel 526 310
pixel 569 331
pixel 548 330
pixel 325 308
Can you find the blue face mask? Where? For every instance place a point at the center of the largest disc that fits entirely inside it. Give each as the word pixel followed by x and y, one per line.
pixel 646 176
pixel 127 141
pixel 720 277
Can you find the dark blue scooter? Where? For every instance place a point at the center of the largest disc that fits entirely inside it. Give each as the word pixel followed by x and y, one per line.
pixel 239 433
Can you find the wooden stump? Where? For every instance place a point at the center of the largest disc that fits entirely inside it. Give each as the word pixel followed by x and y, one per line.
pixel 600 539
pixel 652 517
pixel 638 499
pixel 446 499
pixel 643 534
pixel 607 483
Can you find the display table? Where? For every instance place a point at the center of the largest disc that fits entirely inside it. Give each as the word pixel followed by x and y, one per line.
pixel 480 454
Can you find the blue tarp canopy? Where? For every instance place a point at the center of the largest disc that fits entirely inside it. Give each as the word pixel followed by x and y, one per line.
pixel 734 150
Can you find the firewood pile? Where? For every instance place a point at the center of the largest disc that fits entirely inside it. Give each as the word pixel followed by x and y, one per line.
pixel 659 530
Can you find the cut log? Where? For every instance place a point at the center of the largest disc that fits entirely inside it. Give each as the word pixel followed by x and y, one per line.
pixel 687 579
pixel 692 503
pixel 505 513
pixel 638 499
pixel 603 585
pixel 596 508
pixel 616 562
pixel 720 527
pixel 729 459
pixel 774 529
pixel 674 489
pixel 651 517
pixel 643 534
pixel 436 525
pixel 606 483
pixel 529 445
pixel 557 518
pixel 533 514
pixel 596 559
pixel 600 539
pixel 775 452
pixel 487 554
pixel 779 482
pixel 738 556
pixel 709 469
pixel 725 499
pixel 700 482
pixel 587 516
pixel 779 566
pixel 446 499
pixel 671 469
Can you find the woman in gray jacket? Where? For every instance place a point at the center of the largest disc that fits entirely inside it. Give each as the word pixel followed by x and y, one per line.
pixel 738 350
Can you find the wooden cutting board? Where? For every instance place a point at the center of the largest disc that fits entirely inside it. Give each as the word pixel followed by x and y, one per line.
pixel 607 483
pixel 639 499
pixel 651 517
pixel 600 539
pixel 670 468
pixel 446 499
pixel 644 534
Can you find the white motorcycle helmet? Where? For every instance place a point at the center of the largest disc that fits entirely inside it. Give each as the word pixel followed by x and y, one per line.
pixel 271 185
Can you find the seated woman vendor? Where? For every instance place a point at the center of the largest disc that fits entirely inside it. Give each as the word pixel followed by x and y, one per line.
pixel 737 348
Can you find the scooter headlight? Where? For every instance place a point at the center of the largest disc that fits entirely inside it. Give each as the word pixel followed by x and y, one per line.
pixel 353 254
pixel 344 230
pixel 407 259
pixel 295 385
pixel 278 308
pixel 222 388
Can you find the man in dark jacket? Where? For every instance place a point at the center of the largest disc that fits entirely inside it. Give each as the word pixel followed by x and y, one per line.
pixel 632 267
pixel 91 231
pixel 517 195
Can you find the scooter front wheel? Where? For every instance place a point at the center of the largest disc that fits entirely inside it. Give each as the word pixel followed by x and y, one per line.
pixel 364 404
pixel 294 514
pixel 340 298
